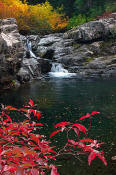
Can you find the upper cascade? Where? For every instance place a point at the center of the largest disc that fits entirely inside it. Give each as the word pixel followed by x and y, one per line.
pixel 29 49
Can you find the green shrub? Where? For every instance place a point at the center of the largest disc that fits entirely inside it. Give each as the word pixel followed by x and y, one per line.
pixel 78 20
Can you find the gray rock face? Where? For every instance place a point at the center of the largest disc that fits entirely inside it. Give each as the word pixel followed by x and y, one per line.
pixel 53 47
pixel 48 40
pixel 44 52
pixel 11 51
pixel 90 31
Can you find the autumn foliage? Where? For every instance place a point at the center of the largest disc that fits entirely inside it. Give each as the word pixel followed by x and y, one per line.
pixel 39 18
pixel 24 151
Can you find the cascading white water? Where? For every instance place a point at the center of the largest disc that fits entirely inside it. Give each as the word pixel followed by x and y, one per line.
pixel 57 70
pixel 29 47
pixel 57 67
pixel 30 59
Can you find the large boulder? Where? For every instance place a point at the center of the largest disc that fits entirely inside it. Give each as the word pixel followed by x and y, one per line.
pixel 48 40
pixel 23 75
pixel 87 32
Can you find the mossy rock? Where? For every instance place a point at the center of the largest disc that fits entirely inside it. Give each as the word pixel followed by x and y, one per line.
pixel 107 47
pixel 89 59
pixel 113 33
pixel 76 45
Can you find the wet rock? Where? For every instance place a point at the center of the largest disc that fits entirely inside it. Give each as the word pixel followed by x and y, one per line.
pixel 41 51
pixel 45 65
pixel 45 52
pixel 23 75
pixel 33 67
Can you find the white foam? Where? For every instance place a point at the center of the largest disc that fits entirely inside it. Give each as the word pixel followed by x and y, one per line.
pixel 58 71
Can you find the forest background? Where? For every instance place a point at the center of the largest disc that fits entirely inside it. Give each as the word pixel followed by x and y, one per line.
pixel 41 16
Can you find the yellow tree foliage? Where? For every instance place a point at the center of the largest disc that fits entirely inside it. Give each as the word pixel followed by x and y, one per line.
pixel 39 18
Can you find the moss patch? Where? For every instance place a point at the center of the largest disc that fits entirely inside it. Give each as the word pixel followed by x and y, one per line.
pixel 89 59
pixel 76 45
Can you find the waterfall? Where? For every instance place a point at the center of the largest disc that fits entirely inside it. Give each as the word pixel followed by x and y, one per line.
pixel 57 70
pixel 57 67
pixel 29 49
pixel 29 62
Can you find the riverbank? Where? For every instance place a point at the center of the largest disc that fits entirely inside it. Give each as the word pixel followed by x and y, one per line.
pixel 88 50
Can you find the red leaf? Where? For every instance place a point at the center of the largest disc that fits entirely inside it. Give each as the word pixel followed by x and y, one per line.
pixel 81 145
pixel 38 114
pixel 94 112
pixel 35 112
pixel 15 132
pixel 8 168
pixel 19 171
pixel 40 124
pixel 5 121
pixel 31 103
pixel 1 130
pixel 73 142
pixel 87 140
pixel 55 132
pixel 86 116
pixel 24 110
pixel 102 158
pixel 54 170
pixel 76 131
pixel 10 108
pixel 8 117
pixel 34 171
pixel 51 151
pixel 36 124
pixel 62 124
pixel 80 127
pixel 48 157
pixel 100 154
pixel 91 157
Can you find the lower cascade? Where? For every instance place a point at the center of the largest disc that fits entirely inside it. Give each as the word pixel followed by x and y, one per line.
pixel 57 70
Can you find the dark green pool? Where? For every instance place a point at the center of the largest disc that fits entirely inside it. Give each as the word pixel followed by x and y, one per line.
pixel 67 100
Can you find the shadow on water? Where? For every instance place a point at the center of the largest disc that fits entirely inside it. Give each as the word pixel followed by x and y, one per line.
pixel 67 100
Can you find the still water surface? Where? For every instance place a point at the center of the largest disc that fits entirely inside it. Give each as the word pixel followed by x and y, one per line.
pixel 67 100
